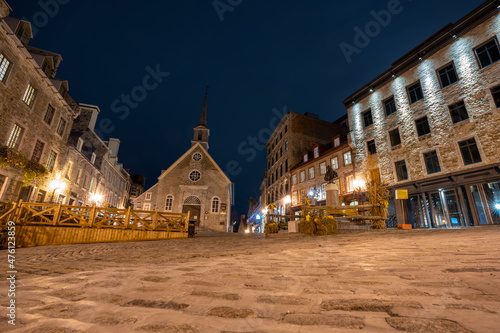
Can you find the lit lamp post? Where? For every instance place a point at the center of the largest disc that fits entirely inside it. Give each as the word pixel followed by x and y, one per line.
pixel 264 213
pixel 96 198
pixel 56 185
pixel 287 201
pixel 359 184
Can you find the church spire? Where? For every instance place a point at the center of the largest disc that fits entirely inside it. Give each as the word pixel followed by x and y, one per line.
pixel 201 132
pixel 203 116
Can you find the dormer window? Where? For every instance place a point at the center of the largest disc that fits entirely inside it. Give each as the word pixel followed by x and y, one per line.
pixel 336 142
pixel 316 152
pixel 46 68
pixel 92 158
pixel 22 34
pixel 79 144
pixel 306 158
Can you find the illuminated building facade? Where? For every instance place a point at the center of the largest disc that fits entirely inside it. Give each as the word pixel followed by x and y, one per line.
pixel 432 122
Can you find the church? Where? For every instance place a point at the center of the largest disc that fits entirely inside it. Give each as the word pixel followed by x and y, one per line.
pixel 194 184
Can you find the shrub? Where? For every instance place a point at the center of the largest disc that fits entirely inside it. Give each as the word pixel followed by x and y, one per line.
pixel 271 228
pixel 320 226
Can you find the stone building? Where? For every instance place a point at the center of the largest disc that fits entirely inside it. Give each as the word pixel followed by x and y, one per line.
pixel 36 111
pixel 194 184
pixel 286 147
pixel 308 177
pixel 137 187
pixel 432 122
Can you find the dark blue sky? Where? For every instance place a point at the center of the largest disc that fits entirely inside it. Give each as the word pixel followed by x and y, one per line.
pixel 263 55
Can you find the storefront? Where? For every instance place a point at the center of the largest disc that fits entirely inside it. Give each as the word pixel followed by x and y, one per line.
pixel 460 199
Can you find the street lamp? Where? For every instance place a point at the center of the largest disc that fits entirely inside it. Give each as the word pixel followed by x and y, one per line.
pixel 56 185
pixel 96 198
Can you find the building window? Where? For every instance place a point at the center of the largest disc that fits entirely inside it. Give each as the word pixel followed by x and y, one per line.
pixel 68 170
pixel 295 199
pixel 335 163
pixel 281 170
pixel 488 53
pixel 302 176
pixel 415 93
pixel 92 183
pixel 79 177
pixel 286 128
pixel 401 171
pixel 281 151
pixel 51 162
pixel 294 180
pixel 49 114
pixel 169 203
pixel 195 176
pixel 470 151
pixel 281 135
pixel 311 173
pixel 286 166
pixel 496 95
pixel 349 183
pixel 322 168
pixel 277 173
pixel 79 144
pixel 447 75
pixel 390 106
pixel 92 158
pixel 5 66
pixel 422 126
pixel 29 95
pixel 336 142
pixel 286 145
pixel 323 191
pixel 147 207
pixel 306 158
pixel 395 137
pixel 61 127
pixel 347 158
pixel 458 112
pixel 372 149
pixel 277 157
pixel 15 136
pixel 37 151
pixel 432 162
pixel 316 152
pixel 367 118
pixel 215 205
pixel 197 157
pixel 148 196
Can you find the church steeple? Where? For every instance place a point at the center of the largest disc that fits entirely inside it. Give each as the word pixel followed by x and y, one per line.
pixel 201 132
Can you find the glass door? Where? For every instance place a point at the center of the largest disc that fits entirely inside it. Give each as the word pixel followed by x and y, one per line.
pixel 492 195
pixel 416 212
pixel 437 211
pixel 453 208
pixel 479 204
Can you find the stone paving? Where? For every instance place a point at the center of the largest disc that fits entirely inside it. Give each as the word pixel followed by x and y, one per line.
pixel 387 281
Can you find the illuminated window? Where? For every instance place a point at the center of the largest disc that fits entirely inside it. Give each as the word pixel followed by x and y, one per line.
pixel 306 158
pixel 37 151
pixel 15 136
pixel 367 118
pixel 302 176
pixel 68 170
pixel 432 162
pixel 488 54
pixel 349 183
pixel 323 191
pixel 458 112
pixel 147 207
pixel 395 137
pixel 195 176
pixel 322 168
pixel 401 171
pixel 29 95
pixel 470 151
pixel 294 180
pixel 390 106
pixel 311 173
pixel 336 142
pixel 335 163
pixel 447 75
pixel 422 126
pixel 215 205
pixel 372 149
pixel 415 93
pixel 5 66
pixel 49 114
pixel 496 95
pixel 51 162
pixel 347 158
pixel 92 183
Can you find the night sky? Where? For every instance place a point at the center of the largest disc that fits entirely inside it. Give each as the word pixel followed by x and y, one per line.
pixel 256 56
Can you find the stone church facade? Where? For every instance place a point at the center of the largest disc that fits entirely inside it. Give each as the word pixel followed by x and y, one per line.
pixel 194 184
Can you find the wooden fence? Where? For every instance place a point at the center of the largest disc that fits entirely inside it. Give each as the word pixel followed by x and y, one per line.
pixel 51 218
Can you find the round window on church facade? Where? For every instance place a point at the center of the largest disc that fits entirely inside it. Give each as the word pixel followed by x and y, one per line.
pixel 195 176
pixel 197 157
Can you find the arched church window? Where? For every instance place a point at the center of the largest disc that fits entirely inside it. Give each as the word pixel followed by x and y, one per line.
pixel 192 200
pixel 215 205
pixel 197 157
pixel 195 176
pixel 169 203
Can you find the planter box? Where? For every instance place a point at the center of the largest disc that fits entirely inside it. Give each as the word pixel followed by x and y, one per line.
pixel 405 226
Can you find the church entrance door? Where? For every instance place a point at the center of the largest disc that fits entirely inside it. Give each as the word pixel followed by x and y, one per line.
pixel 193 206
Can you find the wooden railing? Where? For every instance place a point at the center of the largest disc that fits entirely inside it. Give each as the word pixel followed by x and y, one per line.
pixel 43 214
pixel 357 212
